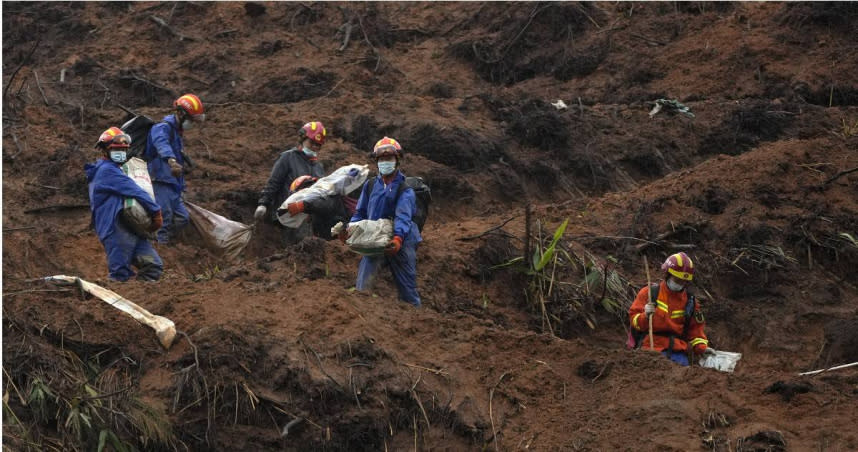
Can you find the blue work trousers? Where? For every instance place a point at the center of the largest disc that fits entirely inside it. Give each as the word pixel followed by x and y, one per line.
pixel 172 208
pixel 403 265
pixel 124 249
pixel 680 358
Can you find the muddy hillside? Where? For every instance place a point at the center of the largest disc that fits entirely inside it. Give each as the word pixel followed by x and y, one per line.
pixel 749 166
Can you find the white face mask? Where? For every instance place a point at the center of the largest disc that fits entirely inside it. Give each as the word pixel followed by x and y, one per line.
pixel 386 168
pixel 675 286
pixel 187 124
pixel 309 152
pixel 118 156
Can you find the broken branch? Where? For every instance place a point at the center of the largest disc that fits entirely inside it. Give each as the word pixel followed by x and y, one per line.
pixel 841 174
pixel 23 62
pixel 488 231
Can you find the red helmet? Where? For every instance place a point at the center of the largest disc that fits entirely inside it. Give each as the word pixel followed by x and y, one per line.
pixel 680 266
pixel 113 137
pixel 315 131
pixel 387 146
pixel 302 182
pixel 192 105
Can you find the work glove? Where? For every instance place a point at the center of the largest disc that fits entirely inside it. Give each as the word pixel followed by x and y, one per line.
pixel 649 309
pixel 394 246
pixel 260 212
pixel 295 208
pixel 701 349
pixel 157 221
pixel 175 167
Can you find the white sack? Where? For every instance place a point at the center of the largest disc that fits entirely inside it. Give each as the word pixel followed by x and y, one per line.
pixel 339 183
pixel 221 235
pixel 369 237
pixel 133 214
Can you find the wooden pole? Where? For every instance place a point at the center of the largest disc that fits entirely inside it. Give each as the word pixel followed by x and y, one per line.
pixel 649 301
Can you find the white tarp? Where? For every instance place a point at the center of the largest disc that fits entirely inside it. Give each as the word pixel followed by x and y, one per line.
pixel 164 328
pixel 339 183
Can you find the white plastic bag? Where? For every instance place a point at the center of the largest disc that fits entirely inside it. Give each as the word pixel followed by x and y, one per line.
pixel 339 183
pixel 720 360
pixel 133 214
pixel 369 237
pixel 221 235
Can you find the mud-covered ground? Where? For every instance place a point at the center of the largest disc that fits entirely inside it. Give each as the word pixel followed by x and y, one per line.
pixel 278 351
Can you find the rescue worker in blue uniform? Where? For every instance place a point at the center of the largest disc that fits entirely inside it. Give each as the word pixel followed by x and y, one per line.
pixel 384 200
pixel 168 163
pixel 108 188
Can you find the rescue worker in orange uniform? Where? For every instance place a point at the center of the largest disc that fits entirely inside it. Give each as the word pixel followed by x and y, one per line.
pixel 677 321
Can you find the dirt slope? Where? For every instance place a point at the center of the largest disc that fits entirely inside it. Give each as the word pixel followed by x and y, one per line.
pixel 756 187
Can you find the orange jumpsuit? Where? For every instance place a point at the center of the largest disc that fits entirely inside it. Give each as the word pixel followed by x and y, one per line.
pixel 668 321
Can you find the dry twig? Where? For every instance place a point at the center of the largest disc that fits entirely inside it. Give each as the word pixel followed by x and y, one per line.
pixel 487 231
pixel 163 24
pixel 39 85
pixel 23 62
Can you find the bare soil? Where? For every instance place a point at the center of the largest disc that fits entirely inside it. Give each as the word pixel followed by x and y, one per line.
pixel 756 186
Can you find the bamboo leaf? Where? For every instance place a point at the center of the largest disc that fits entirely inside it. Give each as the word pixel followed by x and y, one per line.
pixel 546 258
pixel 102 440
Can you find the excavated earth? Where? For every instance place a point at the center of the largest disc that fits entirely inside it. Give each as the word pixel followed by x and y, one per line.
pixel 277 351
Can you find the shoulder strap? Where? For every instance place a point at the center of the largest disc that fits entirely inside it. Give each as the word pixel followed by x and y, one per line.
pixel 689 311
pixel 653 292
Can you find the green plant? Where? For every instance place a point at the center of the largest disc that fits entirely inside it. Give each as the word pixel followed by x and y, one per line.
pixel 556 290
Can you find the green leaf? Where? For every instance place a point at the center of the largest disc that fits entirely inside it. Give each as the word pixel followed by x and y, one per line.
pixel 507 264
pixel 546 258
pixel 548 254
pixel 559 233
pixel 593 278
pixel 102 440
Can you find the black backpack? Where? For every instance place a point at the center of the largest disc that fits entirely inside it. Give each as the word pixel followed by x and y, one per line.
pixel 138 129
pixel 423 195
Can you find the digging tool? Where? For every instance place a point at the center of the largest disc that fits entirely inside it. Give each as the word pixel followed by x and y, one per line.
pixel 649 295
pixel 164 328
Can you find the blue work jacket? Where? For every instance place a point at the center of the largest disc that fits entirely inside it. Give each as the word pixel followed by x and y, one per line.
pixel 383 203
pixel 108 188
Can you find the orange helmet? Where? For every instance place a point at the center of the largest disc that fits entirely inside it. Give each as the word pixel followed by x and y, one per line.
pixel 302 182
pixel 680 266
pixel 387 146
pixel 113 137
pixel 192 105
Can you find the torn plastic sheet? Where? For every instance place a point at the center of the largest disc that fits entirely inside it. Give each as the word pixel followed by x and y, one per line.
pixel 720 360
pixel 164 328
